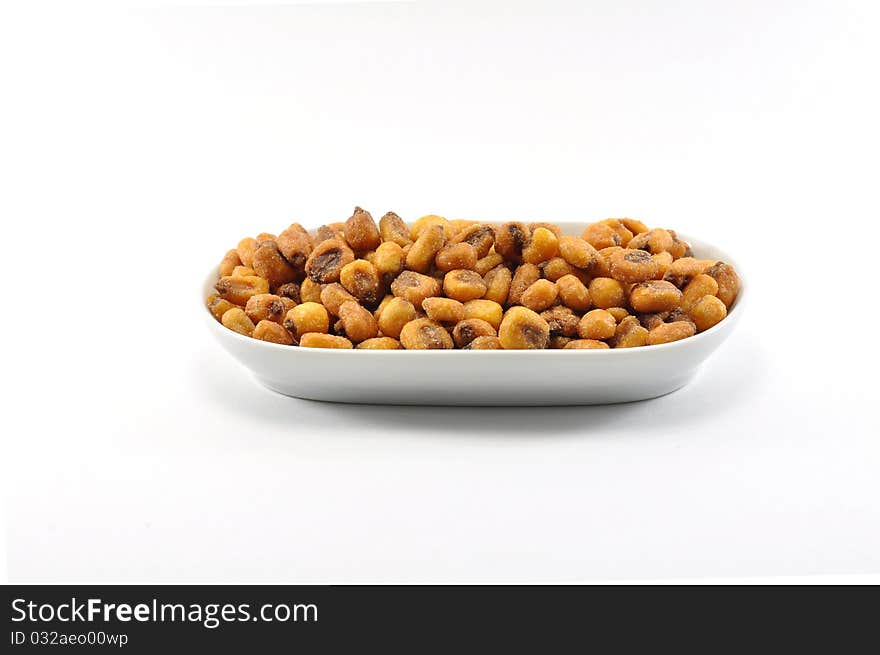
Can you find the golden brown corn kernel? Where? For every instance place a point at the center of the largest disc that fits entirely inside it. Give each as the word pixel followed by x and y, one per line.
pixel 586 344
pixel 382 305
pixel 630 334
pixel 524 277
pixel 443 310
pixel 597 324
pixel 680 248
pixel 664 261
pixel 458 225
pixel 361 231
pixel 270 264
pixel 547 226
pixel 650 321
pixel 632 266
pixel 425 334
pixel 561 321
pixel 218 306
pixel 558 342
pixel 245 249
pixel 307 317
pixel 670 332
pixel 421 255
pixel 707 312
pixel 542 246
pixel 333 295
pixel 361 279
pixel 415 287
pixel 728 282
pixel 265 236
pixel 683 270
pixel 243 271
pixel 358 323
pixel 578 252
pixel 606 292
pixel 295 244
pixel 456 255
pixel 379 343
pixel 498 284
pixel 393 229
pixel 321 340
pixel 487 263
pixel 484 343
pixel 236 320
pixel 238 290
pixel 510 239
pixel 431 220
pixel 485 310
pixel 397 313
pixel 677 314
pixel 652 241
pixel 268 307
pixel 523 329
pixel 540 295
pixel 326 232
pixel 701 285
pixel 634 226
pixel 619 229
pixel 602 267
pixel 469 329
pixel 463 285
pixel 601 235
pixel 289 290
pixel 573 293
pixel 654 296
pixel 271 331
pixel 310 291
pixel 556 268
pixel 327 259
pixel 481 236
pixel 389 260
pixel 229 262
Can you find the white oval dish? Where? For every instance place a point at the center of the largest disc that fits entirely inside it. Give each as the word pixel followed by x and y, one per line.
pixel 479 377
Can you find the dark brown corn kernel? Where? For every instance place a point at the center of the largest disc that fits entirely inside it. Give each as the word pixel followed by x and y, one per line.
pixel 510 239
pixel 218 306
pixel 238 290
pixel 358 323
pixel 631 266
pixel 310 291
pixel 425 334
pixel 542 246
pixel 484 343
pixel 573 293
pixel 333 295
pixel 601 235
pixel 295 244
pixel 327 259
pixel 701 285
pixel 245 249
pixel 485 310
pixel 540 295
pixel 361 279
pixel 328 231
pixel 469 329
pixel 380 343
pixel 307 317
pixel 456 255
pixel 650 321
pixel 558 341
pixel 606 292
pixel 586 344
pixel 654 296
pixel 443 310
pixel 393 229
pixel 397 313
pixel 415 287
pixel 481 236
pixel 236 320
pixel 321 340
pixel 578 252
pixel 268 307
pixel 670 332
pixel 562 321
pixel 289 290
pixel 421 255
pixel 271 265
pixel 229 262
pixel 361 231
pixel 523 329
pixel 728 282
pixel 709 311
pixel 463 285
pixel 524 277
pixel 597 324
pixel 272 332
pixel 497 284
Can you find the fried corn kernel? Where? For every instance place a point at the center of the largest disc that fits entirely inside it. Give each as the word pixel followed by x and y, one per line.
pixel 431 220
pixel 523 329
pixel 652 241
pixel 357 322
pixel 379 343
pixel 558 341
pixel 680 248
pixel 701 285
pixel 245 250
pixel 497 283
pixel 562 321
pixel 586 344
pixel 271 331
pixel 393 229
pixel 397 313
pixel 578 252
pixel 484 343
pixel 542 245
pixel 630 334
pixel 268 307
pixel 487 263
pixel 421 255
pixel 677 314
pixel 728 282
pixel 540 295
pixel 556 268
pixel 243 271
pixel 664 261
pixel 707 312
pixel 327 259
pixel 333 295
pixel 597 324
pixel 361 231
pixel 361 279
pixel 548 226
pixel 305 318
pixel 469 329
pixel 443 310
pixel 459 224
pixel 602 267
pixel 650 321
pixel 321 340
pixel 238 290
pixel 328 231
pixel 415 287
pixel 601 235
pixel 510 239
pixel 295 244
pixel 265 236
pixel 670 332
pixel 607 292
pixel 619 313
pixel 389 260
pixel 481 236
pixel 463 285
pixel 486 310
pixel 634 226
pixel 382 305
pixel 425 334
pixel 310 291
pixel 456 255
pixel 524 277
pixel 573 293
pixel 229 262
pixel 619 229
pixel 289 290
pixel 270 264
pixel 654 296
pixel 218 306
pixel 632 266
pixel 683 270
pixel 236 320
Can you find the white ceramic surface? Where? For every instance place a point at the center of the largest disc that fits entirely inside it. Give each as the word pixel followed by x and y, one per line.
pixel 480 377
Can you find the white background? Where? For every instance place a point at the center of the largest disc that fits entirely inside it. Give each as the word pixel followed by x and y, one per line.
pixel 138 145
